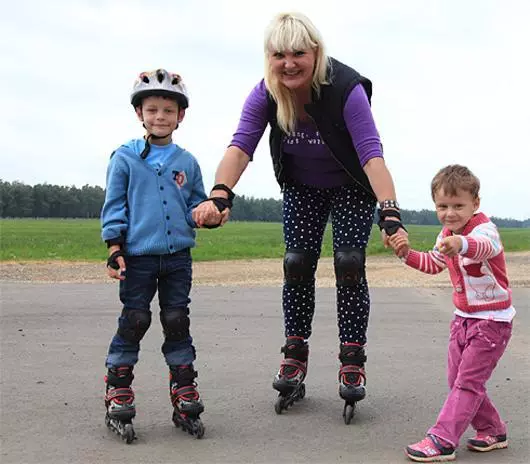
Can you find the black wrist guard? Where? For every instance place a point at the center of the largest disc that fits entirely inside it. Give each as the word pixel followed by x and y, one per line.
pixel 221 203
pixel 225 188
pixel 112 261
pixel 390 226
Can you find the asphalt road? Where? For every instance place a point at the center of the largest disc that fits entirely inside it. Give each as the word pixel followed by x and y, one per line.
pixel 53 345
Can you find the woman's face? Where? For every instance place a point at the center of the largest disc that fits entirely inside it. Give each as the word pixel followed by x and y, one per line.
pixel 294 69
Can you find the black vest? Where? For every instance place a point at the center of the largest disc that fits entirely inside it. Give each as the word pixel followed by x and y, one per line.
pixel 327 112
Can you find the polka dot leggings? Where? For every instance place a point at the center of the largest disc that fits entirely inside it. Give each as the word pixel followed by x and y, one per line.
pixel 305 213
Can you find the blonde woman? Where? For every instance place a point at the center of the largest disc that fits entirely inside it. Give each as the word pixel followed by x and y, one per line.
pixel 328 160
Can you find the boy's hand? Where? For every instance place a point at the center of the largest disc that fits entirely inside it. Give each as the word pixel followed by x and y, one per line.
pixel 206 213
pixel 450 246
pixel 400 244
pixel 113 273
pixel 224 217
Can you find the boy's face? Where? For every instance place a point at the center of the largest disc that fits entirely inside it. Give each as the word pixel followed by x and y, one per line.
pixel 454 212
pixel 160 115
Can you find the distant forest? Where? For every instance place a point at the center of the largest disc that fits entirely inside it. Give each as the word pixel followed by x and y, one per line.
pixel 18 200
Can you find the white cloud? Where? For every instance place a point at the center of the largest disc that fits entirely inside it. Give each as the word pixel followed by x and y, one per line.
pixel 450 85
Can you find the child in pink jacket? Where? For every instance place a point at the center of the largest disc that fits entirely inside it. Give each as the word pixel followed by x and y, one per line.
pixel 469 246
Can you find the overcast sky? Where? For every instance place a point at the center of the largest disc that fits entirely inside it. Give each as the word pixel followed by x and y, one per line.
pixel 451 85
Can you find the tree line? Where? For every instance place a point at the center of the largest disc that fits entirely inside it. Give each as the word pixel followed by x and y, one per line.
pixel 19 200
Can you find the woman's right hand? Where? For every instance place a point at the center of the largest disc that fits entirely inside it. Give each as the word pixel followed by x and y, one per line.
pixel 206 213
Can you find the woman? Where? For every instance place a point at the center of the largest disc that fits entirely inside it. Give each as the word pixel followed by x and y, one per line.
pixel 328 160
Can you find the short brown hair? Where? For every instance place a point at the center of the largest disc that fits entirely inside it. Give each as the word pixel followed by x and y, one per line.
pixel 453 178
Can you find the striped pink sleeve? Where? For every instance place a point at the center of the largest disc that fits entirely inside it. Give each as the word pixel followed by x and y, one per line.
pixel 431 262
pixel 483 242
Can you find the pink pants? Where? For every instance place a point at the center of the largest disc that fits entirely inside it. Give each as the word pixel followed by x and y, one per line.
pixel 475 347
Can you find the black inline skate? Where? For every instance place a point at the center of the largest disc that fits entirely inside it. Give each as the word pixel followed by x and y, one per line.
pixel 352 378
pixel 185 399
pixel 119 402
pixel 290 378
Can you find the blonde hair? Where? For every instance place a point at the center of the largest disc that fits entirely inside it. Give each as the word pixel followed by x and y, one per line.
pixel 453 178
pixel 289 32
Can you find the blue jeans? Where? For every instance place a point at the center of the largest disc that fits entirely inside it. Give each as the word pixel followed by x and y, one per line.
pixel 171 276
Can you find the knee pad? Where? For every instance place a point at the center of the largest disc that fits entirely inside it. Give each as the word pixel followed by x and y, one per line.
pixel 352 355
pixel 349 265
pixel 176 324
pixel 138 322
pixel 299 266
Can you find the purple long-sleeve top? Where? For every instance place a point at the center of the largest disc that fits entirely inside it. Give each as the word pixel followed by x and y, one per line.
pixel 307 159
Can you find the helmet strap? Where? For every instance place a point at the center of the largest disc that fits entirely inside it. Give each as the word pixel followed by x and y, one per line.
pixel 147 148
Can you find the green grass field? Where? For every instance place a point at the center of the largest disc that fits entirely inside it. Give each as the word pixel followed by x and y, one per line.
pixel 79 240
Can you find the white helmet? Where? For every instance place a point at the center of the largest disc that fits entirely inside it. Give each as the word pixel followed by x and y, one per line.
pixel 159 83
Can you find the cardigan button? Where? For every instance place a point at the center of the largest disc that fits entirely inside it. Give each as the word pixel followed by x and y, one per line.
pixel 458 289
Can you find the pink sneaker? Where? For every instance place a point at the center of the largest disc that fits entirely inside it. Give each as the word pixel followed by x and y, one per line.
pixel 430 449
pixel 487 442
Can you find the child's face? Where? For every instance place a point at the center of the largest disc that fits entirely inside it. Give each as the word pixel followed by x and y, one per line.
pixel 454 212
pixel 160 115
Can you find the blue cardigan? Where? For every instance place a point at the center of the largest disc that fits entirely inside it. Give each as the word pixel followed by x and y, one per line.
pixel 148 209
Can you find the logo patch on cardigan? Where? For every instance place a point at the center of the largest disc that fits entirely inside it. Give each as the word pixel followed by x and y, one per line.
pixel 180 178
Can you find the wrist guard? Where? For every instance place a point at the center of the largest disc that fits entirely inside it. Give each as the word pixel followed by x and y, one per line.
pixel 221 203
pixel 390 226
pixel 112 261
pixel 227 189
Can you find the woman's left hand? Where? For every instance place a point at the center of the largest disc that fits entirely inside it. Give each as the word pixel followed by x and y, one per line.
pixel 403 251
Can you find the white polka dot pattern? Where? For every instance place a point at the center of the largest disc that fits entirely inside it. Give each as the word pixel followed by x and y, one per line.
pixel 305 213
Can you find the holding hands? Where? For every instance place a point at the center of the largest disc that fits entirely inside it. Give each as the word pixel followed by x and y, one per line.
pixel 207 214
pixel 400 243
pixel 214 211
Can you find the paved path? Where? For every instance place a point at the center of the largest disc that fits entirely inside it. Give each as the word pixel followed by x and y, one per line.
pixel 54 340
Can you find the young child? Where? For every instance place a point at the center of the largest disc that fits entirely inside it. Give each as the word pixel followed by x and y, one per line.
pixel 153 186
pixel 469 246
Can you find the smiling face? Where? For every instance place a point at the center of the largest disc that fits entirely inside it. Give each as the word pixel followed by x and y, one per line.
pixel 455 211
pixel 294 69
pixel 160 115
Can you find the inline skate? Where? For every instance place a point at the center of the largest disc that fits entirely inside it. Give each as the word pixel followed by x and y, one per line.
pixel 119 402
pixel 289 381
pixel 352 378
pixel 186 400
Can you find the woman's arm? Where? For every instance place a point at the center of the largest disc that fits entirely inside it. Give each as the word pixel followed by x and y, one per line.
pixel 380 179
pixel 233 164
pixel 238 154
pixel 365 138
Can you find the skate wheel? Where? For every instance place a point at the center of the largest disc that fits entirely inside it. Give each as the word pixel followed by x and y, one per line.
pixel 279 405
pixel 128 433
pixel 302 391
pixel 348 412
pixel 199 431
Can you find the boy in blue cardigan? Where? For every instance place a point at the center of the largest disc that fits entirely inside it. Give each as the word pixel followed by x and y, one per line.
pixel 153 186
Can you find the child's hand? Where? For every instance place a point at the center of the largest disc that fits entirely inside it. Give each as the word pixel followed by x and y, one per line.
pixel 400 243
pixel 206 213
pixel 212 224
pixel 450 246
pixel 112 272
